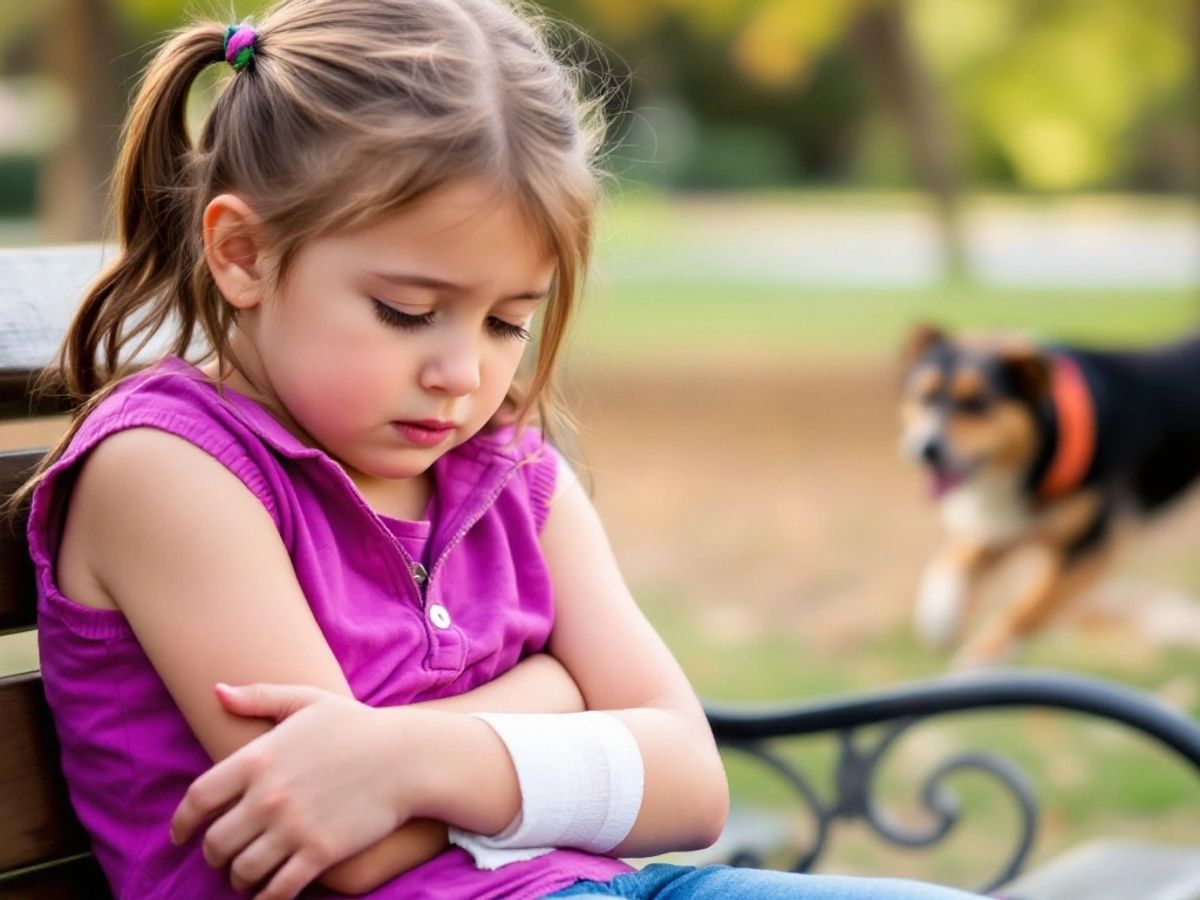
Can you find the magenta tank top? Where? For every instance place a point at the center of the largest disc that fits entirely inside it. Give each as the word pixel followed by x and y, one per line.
pixel 128 753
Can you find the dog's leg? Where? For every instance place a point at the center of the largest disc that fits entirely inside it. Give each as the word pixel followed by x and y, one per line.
pixel 1061 579
pixel 1076 538
pixel 948 590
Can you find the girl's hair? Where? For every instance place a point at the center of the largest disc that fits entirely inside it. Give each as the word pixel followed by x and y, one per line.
pixel 349 111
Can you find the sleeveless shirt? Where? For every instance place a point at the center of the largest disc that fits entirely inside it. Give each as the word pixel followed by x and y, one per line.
pixel 127 752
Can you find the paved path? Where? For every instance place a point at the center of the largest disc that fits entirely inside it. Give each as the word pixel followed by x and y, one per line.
pixel 1082 242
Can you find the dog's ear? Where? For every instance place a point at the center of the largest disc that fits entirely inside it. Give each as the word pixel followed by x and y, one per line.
pixel 921 339
pixel 1028 369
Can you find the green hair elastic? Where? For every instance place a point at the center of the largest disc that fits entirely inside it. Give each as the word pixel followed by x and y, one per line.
pixel 240 43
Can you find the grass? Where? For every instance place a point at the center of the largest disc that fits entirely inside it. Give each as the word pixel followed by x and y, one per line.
pixel 1091 778
pixel 628 321
pixel 659 290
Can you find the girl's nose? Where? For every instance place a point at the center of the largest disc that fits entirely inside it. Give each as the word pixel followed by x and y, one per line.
pixel 453 368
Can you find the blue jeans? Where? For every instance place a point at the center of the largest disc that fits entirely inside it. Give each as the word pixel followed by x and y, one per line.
pixel 666 882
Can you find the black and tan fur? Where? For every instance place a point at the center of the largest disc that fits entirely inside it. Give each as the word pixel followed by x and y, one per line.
pixel 979 415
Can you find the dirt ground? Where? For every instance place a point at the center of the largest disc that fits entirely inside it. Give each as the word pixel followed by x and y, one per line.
pixel 774 497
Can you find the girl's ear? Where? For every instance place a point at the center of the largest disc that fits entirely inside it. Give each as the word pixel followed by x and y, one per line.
pixel 233 250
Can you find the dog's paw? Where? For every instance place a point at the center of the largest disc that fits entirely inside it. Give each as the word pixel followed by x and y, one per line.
pixel 941 604
pixel 987 651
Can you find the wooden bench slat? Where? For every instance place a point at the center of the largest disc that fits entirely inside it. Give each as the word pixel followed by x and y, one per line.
pixel 40 289
pixel 18 606
pixel 20 400
pixel 76 878
pixel 38 823
pixel 1114 869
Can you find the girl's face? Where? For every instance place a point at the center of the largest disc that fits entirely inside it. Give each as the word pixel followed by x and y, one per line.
pixel 389 345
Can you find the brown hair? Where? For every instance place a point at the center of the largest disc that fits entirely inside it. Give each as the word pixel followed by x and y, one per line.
pixel 350 110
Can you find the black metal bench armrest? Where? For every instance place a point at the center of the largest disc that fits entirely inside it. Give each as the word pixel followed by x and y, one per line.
pixel 959 693
pixel 746 728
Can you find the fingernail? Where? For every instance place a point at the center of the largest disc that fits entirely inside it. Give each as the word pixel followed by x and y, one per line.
pixel 174 838
pixel 225 688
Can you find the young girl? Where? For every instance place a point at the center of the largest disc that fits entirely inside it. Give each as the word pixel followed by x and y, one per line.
pixel 447 690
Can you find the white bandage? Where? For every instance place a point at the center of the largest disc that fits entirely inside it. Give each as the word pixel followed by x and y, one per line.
pixel 581 785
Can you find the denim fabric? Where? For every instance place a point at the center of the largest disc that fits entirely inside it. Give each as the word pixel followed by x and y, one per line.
pixel 666 882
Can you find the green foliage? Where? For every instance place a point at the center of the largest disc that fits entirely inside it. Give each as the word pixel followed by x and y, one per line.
pixel 1046 94
pixel 18 186
pixel 1060 92
pixel 153 17
pixel 1052 95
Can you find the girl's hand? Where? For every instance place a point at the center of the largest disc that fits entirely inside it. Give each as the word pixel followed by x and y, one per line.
pixel 309 793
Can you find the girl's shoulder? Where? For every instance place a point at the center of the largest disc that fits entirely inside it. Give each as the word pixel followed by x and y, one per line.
pixel 173 396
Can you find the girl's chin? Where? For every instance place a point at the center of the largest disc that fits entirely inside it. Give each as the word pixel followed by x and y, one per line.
pixel 381 468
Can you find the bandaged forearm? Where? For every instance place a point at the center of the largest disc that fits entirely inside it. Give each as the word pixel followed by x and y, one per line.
pixel 581 781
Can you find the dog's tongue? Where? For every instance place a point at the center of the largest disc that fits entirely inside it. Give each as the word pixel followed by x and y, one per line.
pixel 942 483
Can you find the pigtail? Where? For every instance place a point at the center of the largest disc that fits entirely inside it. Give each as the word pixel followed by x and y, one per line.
pixel 152 277
pixel 157 269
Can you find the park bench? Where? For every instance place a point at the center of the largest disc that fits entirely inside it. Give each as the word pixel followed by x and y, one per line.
pixel 44 851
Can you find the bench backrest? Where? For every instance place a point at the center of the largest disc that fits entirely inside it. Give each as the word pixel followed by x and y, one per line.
pixel 43 850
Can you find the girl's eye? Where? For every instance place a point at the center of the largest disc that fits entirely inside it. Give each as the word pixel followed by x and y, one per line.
pixel 393 317
pixel 389 315
pixel 504 329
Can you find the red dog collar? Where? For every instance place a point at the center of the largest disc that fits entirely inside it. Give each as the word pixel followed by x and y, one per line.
pixel 1076 430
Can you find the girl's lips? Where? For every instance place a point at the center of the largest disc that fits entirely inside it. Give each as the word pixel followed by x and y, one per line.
pixel 425 433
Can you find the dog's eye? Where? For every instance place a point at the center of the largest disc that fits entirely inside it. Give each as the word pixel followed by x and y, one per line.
pixel 973 405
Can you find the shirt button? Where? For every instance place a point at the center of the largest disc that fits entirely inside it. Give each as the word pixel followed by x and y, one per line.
pixel 439 616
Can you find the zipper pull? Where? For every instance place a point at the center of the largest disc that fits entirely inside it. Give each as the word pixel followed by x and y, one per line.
pixel 420 576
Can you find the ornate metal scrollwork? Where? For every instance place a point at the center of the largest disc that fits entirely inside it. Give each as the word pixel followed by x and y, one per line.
pixel 855 798
pixel 896 709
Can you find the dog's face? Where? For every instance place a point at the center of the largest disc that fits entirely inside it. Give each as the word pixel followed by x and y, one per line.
pixel 968 407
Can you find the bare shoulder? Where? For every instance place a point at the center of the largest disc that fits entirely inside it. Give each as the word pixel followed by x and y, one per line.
pixel 148 502
pixel 129 478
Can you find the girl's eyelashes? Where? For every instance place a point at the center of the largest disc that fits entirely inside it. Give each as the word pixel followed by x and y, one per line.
pixel 393 317
pixel 389 315
pixel 508 329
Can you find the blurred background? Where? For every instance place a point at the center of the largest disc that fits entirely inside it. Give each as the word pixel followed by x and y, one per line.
pixel 794 184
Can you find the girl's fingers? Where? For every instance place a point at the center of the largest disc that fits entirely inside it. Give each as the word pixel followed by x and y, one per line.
pixel 257 861
pixel 295 875
pixel 230 835
pixel 267 701
pixel 221 785
pixel 228 779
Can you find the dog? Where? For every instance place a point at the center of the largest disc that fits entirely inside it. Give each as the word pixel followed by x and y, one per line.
pixel 1045 445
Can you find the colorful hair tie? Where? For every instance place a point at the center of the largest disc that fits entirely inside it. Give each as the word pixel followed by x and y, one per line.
pixel 240 43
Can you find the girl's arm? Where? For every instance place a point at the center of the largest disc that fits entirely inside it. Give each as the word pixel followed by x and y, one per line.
pixel 460 771
pixel 168 535
pixel 536 684
pixel 621 665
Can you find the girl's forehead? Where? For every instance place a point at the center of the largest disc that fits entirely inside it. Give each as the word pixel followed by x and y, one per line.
pixel 448 220
pixel 462 213
pixel 457 240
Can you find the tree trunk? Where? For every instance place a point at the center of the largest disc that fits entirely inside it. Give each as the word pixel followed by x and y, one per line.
pixel 80 47
pixel 881 39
